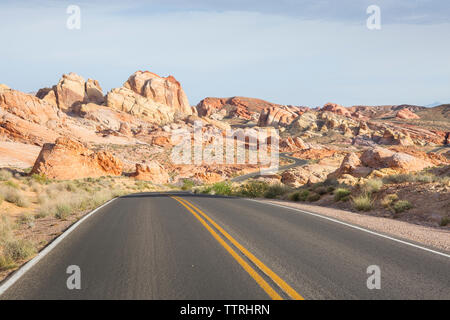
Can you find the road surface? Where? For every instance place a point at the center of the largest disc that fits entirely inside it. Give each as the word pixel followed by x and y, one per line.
pixel 297 163
pixel 185 246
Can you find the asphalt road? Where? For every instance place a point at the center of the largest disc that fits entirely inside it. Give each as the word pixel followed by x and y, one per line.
pixel 154 246
pixel 297 163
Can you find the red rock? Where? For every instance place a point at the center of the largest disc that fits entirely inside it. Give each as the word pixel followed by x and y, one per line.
pixel 336 108
pixel 406 114
pixel 69 159
pixel 151 171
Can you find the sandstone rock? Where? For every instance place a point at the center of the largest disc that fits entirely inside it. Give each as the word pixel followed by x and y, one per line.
pixel 94 92
pixel 406 114
pixel 391 137
pixel 277 116
pixel 69 159
pixel 71 91
pixel 27 107
pixel 151 171
pixel 300 176
pixel 306 121
pixel 126 100
pixel 125 129
pixel 165 91
pixel 379 158
pixel 336 108
pixel 349 165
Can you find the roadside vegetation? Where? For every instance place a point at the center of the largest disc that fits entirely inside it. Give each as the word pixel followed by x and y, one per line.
pixel 29 203
pixel 367 195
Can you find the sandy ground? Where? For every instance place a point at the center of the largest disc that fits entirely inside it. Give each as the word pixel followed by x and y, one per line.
pixel 430 237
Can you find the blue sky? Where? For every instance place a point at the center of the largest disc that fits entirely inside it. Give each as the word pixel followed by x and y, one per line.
pixel 304 52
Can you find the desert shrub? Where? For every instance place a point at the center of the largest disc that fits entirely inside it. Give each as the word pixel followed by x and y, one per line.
pixel 12 250
pixel 254 189
pixel 362 202
pixel 341 194
pixel 313 197
pixel 401 206
pixel 63 210
pixel 223 188
pixel 321 190
pixel 5 175
pixel 26 219
pixel 17 250
pixel 388 200
pixel 300 195
pixel 276 190
pixel 40 178
pixel 11 184
pixel 14 196
pixel 372 185
pixel 444 221
pixel 187 185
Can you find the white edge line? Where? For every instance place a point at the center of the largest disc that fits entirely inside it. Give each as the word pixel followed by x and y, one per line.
pixel 353 226
pixel 21 271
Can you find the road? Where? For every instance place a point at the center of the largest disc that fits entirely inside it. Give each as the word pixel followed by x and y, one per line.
pixel 297 163
pixel 186 246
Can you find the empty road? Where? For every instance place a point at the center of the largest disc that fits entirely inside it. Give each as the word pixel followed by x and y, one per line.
pixel 185 246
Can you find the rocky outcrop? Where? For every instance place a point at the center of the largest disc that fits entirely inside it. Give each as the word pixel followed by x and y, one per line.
pixel 69 159
pixel 391 137
pixel 378 158
pixel 151 97
pixel 300 176
pixel 278 116
pixel 336 108
pixel 151 171
pixel 126 100
pixel 71 91
pixel 165 91
pixel 27 107
pixel 351 165
pixel 406 114
pixel 235 107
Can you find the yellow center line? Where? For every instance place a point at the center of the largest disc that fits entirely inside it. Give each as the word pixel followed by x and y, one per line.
pixel 275 278
pixel 259 280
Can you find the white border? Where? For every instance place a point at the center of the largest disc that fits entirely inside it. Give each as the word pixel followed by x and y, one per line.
pixel 355 227
pixel 21 271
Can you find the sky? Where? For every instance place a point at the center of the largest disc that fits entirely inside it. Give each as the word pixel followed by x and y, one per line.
pixel 304 52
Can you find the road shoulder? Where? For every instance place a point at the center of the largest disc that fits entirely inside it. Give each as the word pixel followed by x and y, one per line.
pixel 430 237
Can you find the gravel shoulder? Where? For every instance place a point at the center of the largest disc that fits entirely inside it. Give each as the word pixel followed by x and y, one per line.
pixel 430 237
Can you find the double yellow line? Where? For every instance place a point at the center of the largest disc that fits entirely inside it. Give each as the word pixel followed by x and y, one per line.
pixel 201 216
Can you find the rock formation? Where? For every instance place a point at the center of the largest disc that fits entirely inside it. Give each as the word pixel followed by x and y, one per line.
pixel 151 171
pixel 69 159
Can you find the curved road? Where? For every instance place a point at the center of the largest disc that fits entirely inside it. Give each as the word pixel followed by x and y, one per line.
pixel 297 163
pixel 185 246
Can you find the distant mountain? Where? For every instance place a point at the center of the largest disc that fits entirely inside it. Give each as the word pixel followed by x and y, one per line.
pixel 432 105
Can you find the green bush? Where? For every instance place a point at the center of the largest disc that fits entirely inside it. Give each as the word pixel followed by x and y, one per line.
pixel 276 190
pixel 373 185
pixel 444 221
pixel 40 178
pixel 362 202
pixel 301 195
pixel 63 211
pixel 313 197
pixel 341 194
pixel 254 189
pixel 187 185
pixel 222 188
pixel 5 175
pixel 401 206
pixel 388 200
pixel 323 190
